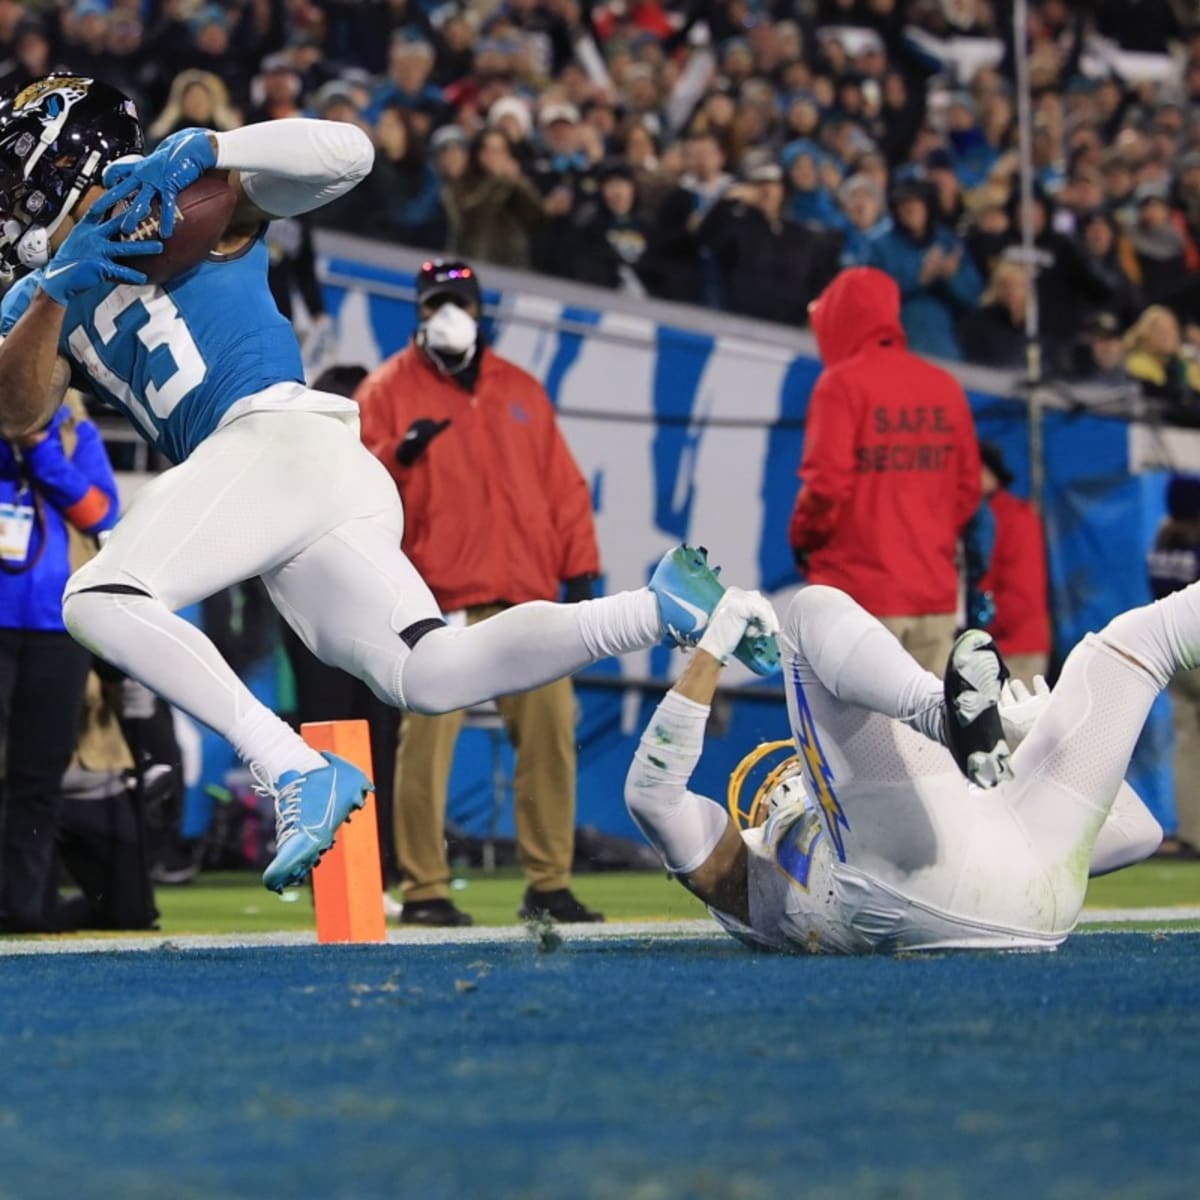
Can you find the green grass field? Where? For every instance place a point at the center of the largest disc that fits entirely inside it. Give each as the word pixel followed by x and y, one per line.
pixel 237 903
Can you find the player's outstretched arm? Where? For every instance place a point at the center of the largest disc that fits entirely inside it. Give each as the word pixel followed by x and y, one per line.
pixel 695 837
pixel 280 169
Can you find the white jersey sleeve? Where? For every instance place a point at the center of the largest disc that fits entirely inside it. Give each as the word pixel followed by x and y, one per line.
pixel 292 166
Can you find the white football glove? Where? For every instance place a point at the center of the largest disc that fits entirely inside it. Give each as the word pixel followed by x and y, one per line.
pixel 737 613
pixel 1020 708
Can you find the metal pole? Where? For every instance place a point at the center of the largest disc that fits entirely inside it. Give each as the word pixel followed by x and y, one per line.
pixel 1033 355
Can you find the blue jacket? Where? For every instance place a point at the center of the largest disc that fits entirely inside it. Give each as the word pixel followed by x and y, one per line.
pixel 929 314
pixel 45 478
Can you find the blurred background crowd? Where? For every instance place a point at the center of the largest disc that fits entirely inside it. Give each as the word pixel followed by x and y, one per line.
pixel 735 154
pixel 732 153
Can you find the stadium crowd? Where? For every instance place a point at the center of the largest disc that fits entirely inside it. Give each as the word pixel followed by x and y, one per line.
pixel 731 154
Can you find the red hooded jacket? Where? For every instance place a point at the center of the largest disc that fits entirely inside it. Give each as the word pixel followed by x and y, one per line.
pixel 1016 577
pixel 890 473
pixel 496 508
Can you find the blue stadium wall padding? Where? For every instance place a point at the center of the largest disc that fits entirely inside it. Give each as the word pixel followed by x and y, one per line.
pixel 689 425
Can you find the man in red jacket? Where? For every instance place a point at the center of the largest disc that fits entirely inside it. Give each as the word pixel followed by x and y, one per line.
pixel 1016 576
pixel 890 473
pixel 497 513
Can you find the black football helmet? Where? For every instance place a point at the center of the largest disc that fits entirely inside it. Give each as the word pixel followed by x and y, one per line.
pixel 57 134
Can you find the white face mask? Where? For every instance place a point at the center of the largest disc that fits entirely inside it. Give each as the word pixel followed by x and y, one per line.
pixel 451 331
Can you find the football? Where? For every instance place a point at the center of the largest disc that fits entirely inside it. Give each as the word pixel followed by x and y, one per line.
pixel 202 212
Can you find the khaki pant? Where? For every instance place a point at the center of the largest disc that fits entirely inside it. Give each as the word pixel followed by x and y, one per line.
pixel 929 639
pixel 541 726
pixel 1185 714
pixel 1025 666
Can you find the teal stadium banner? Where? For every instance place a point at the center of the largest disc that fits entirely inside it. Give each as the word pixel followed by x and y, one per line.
pixel 689 426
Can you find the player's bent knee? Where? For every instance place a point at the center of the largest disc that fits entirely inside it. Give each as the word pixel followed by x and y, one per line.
pixel 428 679
pixel 84 611
pixel 810 602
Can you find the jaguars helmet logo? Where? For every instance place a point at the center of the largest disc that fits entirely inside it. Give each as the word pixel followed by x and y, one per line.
pixel 54 95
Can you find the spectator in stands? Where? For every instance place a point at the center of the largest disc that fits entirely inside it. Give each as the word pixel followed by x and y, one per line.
pixel 607 239
pixel 410 63
pixel 510 114
pixel 487 531
pixel 493 209
pixel 946 188
pixel 198 99
pixel 902 117
pixel 866 216
pixel 993 335
pixel 890 474
pixel 1162 249
pixel 1109 258
pixel 770 267
pixel 938 282
pixel 677 270
pixel 809 201
pixel 276 91
pixel 1100 353
pixel 1068 285
pixel 1154 358
pixel 451 155
pixel 86 41
pixel 31 56
pixel 208 48
pixel 563 174
pixel 1173 563
pixel 1016 575
pixel 987 227
pixel 401 198
pixel 58 491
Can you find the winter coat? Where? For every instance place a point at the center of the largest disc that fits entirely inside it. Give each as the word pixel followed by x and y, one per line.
pixel 990 338
pixel 402 202
pixel 929 312
pixel 602 248
pixel 61 485
pixel 496 510
pixel 768 272
pixel 493 219
pixel 890 472
pixel 1016 577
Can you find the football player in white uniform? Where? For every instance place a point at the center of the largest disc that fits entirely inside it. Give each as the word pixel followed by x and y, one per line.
pixel 271 478
pixel 887 847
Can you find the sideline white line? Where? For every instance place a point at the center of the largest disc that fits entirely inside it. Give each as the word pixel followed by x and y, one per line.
pixel 1120 916
pixel 692 930
pixel 696 930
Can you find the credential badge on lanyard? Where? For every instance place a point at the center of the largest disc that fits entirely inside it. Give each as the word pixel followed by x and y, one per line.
pixel 16 530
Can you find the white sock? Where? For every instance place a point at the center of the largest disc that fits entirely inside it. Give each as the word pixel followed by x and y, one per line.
pixel 141 637
pixel 259 736
pixel 620 623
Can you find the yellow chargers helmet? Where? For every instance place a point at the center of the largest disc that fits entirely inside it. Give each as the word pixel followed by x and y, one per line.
pixel 780 781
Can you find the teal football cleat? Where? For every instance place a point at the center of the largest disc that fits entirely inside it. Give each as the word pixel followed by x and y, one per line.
pixel 308 810
pixel 687 590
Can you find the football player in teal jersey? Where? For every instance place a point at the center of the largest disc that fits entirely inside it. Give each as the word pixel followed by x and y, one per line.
pixel 271 478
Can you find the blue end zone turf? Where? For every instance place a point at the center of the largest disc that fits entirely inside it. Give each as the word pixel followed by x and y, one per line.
pixel 626 1069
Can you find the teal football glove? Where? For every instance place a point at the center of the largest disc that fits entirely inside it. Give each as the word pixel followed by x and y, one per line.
pixel 85 259
pixel 178 161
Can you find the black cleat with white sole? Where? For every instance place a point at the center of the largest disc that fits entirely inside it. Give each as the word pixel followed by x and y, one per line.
pixel 974 733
